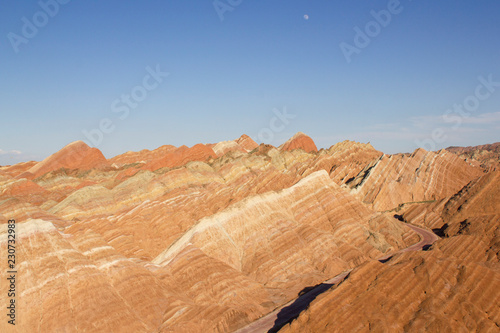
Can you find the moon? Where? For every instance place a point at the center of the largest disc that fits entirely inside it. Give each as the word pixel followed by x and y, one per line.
pixel 306 17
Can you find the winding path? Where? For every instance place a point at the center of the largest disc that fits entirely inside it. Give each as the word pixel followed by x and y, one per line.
pixel 427 238
pixel 276 319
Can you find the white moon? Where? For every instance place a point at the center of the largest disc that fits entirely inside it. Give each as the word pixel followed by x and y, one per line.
pixel 306 17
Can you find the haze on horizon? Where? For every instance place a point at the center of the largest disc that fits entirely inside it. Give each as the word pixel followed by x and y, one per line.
pixel 393 73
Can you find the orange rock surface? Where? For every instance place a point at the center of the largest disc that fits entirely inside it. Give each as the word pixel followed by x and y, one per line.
pixel 246 142
pixel 211 238
pixel 17 169
pixel 488 156
pixel 420 176
pixel 76 155
pixel 300 141
pixel 452 287
pixel 181 156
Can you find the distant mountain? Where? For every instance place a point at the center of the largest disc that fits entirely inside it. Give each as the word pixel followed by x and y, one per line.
pixel 487 155
pixel 76 155
pixel 300 141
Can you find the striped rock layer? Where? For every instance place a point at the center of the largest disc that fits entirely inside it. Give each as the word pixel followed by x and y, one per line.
pixel 212 237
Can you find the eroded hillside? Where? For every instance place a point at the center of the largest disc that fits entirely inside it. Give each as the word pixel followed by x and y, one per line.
pixel 209 238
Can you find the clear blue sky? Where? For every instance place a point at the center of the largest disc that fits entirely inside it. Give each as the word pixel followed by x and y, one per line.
pixel 227 76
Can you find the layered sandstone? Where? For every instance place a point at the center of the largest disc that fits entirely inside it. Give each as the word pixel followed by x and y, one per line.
pixel 76 155
pixel 448 289
pixel 17 169
pixel 181 156
pixel 300 141
pixel 452 287
pixel 392 180
pixel 246 142
pixel 488 156
pixel 212 237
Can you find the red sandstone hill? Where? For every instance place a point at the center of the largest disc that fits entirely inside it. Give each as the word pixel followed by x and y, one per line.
pixel 19 168
pixel 246 142
pixel 392 180
pixel 181 156
pixel 76 155
pixel 143 157
pixel 243 144
pixel 211 238
pixel 300 141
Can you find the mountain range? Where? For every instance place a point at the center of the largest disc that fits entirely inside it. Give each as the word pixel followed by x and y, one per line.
pixel 214 237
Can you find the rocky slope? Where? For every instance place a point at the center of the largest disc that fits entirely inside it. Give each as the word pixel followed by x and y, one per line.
pixel 420 176
pixel 452 287
pixel 488 156
pixel 210 238
pixel 76 155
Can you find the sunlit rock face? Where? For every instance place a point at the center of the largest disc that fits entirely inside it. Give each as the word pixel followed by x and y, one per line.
pixel 246 142
pixel 422 176
pixel 76 155
pixel 209 238
pixel 454 286
pixel 243 144
pixel 300 141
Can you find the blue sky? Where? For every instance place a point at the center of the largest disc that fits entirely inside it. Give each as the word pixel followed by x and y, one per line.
pixel 232 75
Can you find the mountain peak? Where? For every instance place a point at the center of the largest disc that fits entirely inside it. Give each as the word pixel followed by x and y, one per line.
pixel 77 144
pixel 246 142
pixel 300 141
pixel 76 155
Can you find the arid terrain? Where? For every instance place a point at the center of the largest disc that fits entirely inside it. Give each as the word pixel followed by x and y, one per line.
pixel 215 237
